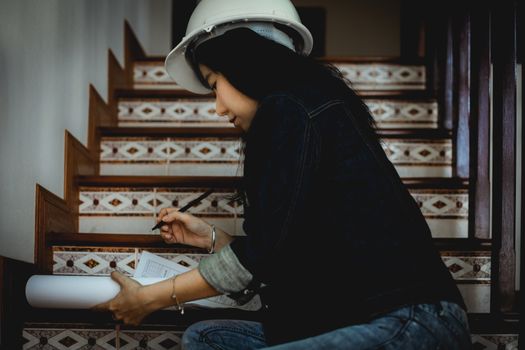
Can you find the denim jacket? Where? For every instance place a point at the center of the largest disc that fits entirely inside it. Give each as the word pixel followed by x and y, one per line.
pixel 331 229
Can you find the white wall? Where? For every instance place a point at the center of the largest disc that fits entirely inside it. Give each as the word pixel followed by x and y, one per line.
pixel 360 28
pixel 50 51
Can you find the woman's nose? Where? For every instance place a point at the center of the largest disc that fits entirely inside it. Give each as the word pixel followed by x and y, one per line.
pixel 220 109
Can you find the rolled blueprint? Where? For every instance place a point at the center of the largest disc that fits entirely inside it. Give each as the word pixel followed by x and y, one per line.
pixel 73 292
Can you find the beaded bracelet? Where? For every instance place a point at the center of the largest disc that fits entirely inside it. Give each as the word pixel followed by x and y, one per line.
pixel 178 306
pixel 213 237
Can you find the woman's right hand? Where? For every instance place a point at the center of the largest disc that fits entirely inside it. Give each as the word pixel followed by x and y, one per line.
pixel 184 228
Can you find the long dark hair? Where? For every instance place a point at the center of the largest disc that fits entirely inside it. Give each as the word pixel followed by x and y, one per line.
pixel 258 67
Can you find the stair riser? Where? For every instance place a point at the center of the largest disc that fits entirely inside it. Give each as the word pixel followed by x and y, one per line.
pixel 123 210
pixel 363 76
pixel 54 337
pixel 471 270
pixel 75 337
pixel 220 157
pixel 182 113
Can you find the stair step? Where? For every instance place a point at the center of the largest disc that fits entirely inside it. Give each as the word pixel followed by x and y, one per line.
pixel 129 204
pixel 54 336
pixel 200 112
pixel 364 76
pixel 414 153
pixel 99 255
pixel 405 133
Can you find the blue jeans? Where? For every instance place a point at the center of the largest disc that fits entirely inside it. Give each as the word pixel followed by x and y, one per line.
pixel 441 325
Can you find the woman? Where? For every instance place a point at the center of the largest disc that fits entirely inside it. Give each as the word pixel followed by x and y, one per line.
pixel 342 250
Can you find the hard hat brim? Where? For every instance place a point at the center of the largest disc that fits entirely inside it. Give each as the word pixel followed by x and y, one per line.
pixel 181 71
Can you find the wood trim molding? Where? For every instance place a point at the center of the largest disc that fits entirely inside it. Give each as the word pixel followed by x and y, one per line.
pixel 52 215
pixel 77 161
pixel 13 305
pixel 133 51
pixel 100 115
pixel 117 79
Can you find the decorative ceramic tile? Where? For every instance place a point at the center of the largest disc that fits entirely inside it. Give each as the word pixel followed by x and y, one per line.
pixel 95 263
pixel 148 202
pixel 494 341
pixel 383 76
pixel 128 210
pixel 223 150
pixel 468 267
pixel 152 75
pixel 442 203
pixel 420 158
pixel 403 114
pixel 195 113
pixel 151 340
pixel 363 76
pixel 445 210
pixel 418 152
pixel 471 271
pixel 74 338
pixel 221 157
pixel 180 112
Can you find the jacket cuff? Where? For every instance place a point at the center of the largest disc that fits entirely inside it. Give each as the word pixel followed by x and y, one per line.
pixel 224 272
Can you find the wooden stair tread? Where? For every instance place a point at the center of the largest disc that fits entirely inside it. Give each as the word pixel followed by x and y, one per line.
pixel 333 59
pixel 158 318
pixel 167 93
pixel 171 131
pixel 233 181
pixel 161 181
pixel 420 133
pixel 409 95
pixel 154 241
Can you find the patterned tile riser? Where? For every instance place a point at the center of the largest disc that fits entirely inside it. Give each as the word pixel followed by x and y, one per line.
pixel 471 270
pixel 71 337
pixel 74 337
pixel 147 202
pixel 373 76
pixel 228 150
pixel 445 210
pixel 186 112
pixel 464 266
pixel 494 341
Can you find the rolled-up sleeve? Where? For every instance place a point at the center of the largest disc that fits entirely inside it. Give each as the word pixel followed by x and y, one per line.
pixel 224 272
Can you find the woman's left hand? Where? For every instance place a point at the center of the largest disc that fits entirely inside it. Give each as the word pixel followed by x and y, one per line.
pixel 128 306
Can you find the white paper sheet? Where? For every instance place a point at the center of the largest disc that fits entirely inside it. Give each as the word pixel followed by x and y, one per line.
pixel 151 265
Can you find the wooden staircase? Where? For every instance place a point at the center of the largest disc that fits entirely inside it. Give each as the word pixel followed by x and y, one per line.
pixel 154 145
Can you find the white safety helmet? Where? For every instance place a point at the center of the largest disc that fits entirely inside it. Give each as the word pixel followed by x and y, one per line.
pixel 212 18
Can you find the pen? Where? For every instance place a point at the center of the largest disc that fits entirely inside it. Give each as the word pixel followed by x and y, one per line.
pixel 186 207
